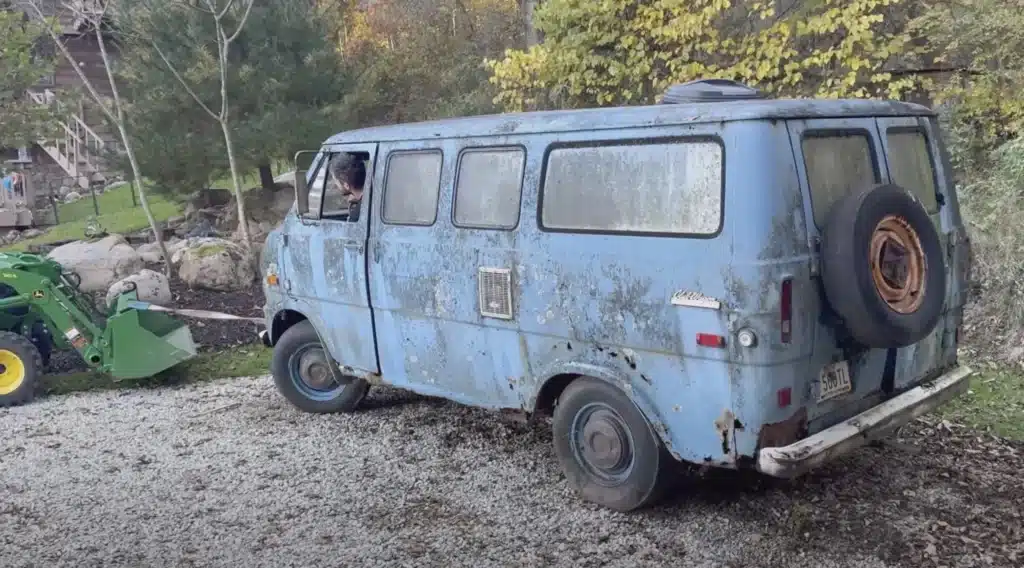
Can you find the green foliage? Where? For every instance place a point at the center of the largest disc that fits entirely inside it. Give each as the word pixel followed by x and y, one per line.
pixel 284 80
pixel 613 52
pixel 419 59
pixel 983 41
pixel 24 60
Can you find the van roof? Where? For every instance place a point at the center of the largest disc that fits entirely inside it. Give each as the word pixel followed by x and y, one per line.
pixel 539 122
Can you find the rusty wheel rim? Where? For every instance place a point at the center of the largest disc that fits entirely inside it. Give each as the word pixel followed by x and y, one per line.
pixel 898 264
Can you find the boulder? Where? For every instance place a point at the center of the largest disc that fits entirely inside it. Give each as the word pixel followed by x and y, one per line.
pixel 72 197
pixel 258 231
pixel 99 263
pixel 12 236
pixel 150 253
pixel 261 206
pixel 216 264
pixel 151 286
pixel 206 198
pixel 32 233
pixel 202 228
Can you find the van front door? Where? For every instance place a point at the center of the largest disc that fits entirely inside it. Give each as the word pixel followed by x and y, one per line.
pixel 327 256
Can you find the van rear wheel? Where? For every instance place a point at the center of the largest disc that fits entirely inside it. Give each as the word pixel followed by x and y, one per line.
pixel 606 448
pixel 307 376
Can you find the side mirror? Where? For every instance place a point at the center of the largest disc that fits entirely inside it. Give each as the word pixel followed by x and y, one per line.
pixel 301 192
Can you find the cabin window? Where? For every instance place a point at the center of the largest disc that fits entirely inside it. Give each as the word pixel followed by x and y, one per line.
pixel 488 188
pixel 836 165
pixel 666 188
pixel 910 165
pixel 411 186
pixel 345 185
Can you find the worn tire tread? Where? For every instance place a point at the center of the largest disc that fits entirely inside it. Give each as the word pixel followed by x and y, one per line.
pixel 295 336
pixel 651 476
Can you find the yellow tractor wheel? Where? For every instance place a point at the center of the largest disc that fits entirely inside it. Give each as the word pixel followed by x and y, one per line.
pixel 20 364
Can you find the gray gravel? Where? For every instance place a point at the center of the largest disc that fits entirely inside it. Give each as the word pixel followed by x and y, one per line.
pixel 228 474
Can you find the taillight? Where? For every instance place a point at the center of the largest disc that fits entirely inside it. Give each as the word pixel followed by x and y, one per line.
pixel 786 310
pixel 710 340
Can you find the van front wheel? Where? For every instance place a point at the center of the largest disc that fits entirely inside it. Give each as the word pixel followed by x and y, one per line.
pixel 606 448
pixel 307 376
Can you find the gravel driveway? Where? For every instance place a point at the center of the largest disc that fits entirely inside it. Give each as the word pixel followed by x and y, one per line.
pixel 227 474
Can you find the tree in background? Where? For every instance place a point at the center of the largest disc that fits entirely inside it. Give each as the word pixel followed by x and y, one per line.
pixel 24 61
pixel 422 59
pixel 981 42
pixel 626 52
pixel 96 18
pixel 283 79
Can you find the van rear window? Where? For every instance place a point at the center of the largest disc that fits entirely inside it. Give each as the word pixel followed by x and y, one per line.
pixel 910 165
pixel 669 188
pixel 836 165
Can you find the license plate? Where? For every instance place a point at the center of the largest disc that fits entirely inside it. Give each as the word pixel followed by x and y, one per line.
pixel 834 381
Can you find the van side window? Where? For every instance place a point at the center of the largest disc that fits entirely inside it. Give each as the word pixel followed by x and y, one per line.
pixel 411 186
pixel 489 187
pixel 910 165
pixel 836 165
pixel 668 188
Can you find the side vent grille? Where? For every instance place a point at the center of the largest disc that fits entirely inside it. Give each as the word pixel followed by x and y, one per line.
pixel 495 289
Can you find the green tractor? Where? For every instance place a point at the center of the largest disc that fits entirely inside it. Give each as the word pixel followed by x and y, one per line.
pixel 42 309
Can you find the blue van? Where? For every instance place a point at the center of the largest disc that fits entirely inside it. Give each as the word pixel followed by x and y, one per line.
pixel 718 279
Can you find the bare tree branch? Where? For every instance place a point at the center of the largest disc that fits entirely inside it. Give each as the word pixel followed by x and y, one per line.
pixel 241 23
pixel 227 7
pixel 182 80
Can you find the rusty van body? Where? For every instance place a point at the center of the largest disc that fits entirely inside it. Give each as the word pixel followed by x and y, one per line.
pixel 719 279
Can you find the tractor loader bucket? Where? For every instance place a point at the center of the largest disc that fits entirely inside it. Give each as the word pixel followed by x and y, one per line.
pixel 144 343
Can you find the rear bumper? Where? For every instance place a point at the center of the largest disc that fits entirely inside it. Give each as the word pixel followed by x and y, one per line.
pixel 813 451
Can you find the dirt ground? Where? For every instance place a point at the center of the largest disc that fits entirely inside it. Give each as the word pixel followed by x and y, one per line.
pixel 228 474
pixel 209 335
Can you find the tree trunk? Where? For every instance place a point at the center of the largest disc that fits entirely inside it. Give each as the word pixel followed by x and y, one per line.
pixel 532 36
pixel 267 177
pixel 136 181
pixel 243 217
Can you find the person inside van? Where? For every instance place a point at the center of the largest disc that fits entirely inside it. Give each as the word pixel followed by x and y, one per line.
pixel 348 174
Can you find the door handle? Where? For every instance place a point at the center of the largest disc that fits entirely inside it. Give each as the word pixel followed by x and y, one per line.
pixel 358 247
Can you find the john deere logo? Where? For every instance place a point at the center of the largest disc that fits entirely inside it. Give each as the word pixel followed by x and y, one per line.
pixel 38 294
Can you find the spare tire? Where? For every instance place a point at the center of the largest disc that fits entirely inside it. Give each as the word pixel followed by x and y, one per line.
pixel 883 267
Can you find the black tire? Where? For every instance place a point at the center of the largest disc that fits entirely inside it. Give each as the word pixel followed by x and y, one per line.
pixel 21 387
pixel 849 275
pixel 646 475
pixel 301 343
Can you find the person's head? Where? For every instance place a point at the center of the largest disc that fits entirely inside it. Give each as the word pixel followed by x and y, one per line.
pixel 350 173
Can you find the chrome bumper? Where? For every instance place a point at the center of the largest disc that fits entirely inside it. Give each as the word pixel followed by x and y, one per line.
pixel 875 423
pixel 264 336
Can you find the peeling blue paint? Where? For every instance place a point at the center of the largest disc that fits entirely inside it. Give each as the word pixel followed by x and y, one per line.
pixel 400 303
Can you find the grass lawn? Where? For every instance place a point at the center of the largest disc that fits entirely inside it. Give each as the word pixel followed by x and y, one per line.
pixel 237 362
pixel 994 403
pixel 117 214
